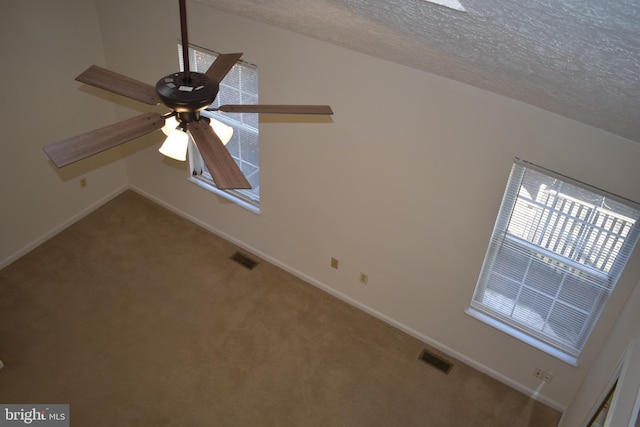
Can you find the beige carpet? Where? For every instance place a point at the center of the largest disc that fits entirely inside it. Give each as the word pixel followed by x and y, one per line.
pixel 136 317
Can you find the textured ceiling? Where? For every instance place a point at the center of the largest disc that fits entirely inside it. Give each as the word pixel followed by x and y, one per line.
pixel 579 59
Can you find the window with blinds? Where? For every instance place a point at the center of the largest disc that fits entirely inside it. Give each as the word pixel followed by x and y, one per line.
pixel 557 250
pixel 240 86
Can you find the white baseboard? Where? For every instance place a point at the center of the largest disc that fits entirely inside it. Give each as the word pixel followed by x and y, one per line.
pixel 60 227
pixel 534 394
pixel 416 334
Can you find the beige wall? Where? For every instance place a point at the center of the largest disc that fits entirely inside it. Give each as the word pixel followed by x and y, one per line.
pixel 404 184
pixel 44 45
pixel 604 369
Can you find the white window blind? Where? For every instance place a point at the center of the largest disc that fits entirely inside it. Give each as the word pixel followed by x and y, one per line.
pixel 557 250
pixel 240 86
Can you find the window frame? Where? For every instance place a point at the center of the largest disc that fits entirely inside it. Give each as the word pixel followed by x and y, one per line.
pixel 510 324
pixel 248 199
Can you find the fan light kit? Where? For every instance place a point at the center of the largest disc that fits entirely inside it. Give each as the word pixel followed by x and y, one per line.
pixel 186 93
pixel 177 142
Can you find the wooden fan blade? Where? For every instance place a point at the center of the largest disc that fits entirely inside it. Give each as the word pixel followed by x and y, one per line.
pixel 117 83
pixel 222 65
pixel 277 109
pixel 223 168
pixel 70 150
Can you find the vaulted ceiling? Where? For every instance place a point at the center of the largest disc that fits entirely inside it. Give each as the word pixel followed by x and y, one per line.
pixel 579 59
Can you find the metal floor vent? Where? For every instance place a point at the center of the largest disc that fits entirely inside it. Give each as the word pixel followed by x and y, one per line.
pixel 244 260
pixel 435 361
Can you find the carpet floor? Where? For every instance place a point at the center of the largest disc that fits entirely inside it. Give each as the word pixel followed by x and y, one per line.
pixel 136 317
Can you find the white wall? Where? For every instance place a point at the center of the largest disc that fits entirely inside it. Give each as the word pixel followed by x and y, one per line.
pixel 404 184
pixel 44 45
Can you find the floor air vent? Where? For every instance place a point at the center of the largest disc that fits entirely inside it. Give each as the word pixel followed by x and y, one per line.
pixel 436 361
pixel 244 260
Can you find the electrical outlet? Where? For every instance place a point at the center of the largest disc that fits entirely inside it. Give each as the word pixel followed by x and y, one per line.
pixel 334 263
pixel 543 375
pixel 364 278
pixel 83 182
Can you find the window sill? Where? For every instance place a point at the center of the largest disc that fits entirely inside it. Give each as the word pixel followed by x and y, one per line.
pixel 521 336
pixel 238 201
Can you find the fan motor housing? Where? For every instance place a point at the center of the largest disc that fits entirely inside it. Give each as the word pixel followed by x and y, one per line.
pixel 187 95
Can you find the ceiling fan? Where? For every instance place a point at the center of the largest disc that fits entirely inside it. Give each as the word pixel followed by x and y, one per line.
pixel 186 93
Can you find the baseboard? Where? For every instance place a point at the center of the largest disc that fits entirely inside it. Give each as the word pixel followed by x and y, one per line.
pixel 60 227
pixel 534 394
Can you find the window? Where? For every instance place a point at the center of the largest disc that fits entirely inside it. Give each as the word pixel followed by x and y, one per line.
pixel 240 86
pixel 557 250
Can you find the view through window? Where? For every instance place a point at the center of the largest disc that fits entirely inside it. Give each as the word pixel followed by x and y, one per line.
pixel 555 255
pixel 240 86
